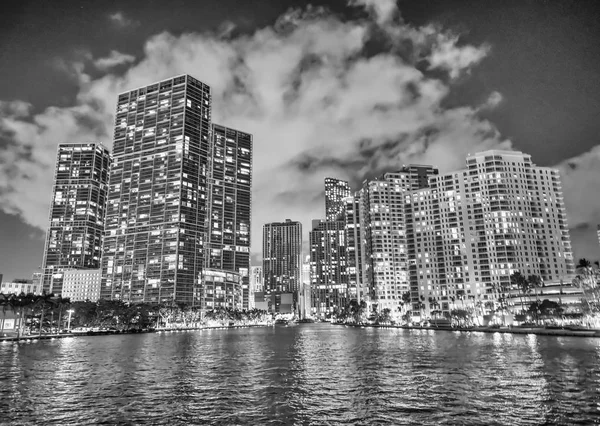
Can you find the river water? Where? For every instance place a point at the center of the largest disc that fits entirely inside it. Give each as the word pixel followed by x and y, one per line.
pixel 307 374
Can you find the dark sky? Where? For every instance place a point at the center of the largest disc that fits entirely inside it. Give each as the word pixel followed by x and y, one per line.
pixel 544 60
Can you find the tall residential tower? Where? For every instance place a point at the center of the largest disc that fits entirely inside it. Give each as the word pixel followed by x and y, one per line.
pixel 336 191
pixel 229 204
pixel 384 234
pixel 282 256
pixel 473 228
pixel 77 210
pixel 157 203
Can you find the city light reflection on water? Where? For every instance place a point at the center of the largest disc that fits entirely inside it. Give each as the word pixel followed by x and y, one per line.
pixel 308 374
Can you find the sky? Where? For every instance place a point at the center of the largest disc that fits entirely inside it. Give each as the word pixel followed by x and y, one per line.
pixel 338 88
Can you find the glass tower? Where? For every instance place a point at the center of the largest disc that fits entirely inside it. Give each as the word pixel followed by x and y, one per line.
pixel 336 191
pixel 157 202
pixel 282 256
pixel 74 238
pixel 229 204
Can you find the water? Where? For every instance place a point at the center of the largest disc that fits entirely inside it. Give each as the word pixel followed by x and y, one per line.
pixel 308 374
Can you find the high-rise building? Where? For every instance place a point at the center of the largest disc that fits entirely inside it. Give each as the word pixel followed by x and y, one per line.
pixel 77 210
pixel 256 278
pixel 157 203
pixel 221 289
pixel 354 247
pixel 305 293
pixel 336 191
pixel 473 228
pixel 229 204
pixel 282 256
pixel 329 278
pixel 384 236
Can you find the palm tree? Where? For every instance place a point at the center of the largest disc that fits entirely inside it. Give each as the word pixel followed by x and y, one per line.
pixel 536 283
pixel 62 303
pixel 519 281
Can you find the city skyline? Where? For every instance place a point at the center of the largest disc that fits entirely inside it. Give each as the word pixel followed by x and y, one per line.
pixel 312 118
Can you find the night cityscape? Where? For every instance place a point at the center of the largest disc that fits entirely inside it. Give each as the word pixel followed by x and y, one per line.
pixel 344 212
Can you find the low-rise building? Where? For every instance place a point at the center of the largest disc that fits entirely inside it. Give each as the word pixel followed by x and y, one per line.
pixel 19 286
pixel 80 285
pixel 563 292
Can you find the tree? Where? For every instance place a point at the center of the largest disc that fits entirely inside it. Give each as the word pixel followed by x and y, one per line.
pixel 535 282
pixel 384 316
pixel 519 281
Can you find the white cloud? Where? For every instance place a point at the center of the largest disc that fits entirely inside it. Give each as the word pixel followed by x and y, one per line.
pixel 15 109
pixel 315 106
pixel 448 56
pixel 113 59
pixel 121 20
pixel 493 101
pixel 382 10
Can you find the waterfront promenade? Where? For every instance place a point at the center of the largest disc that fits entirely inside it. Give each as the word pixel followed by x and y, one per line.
pixel 541 331
pixel 50 336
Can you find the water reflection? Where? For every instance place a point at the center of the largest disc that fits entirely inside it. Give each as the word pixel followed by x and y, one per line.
pixel 309 374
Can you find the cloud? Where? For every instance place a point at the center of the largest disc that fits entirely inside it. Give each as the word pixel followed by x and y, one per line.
pixel 446 55
pixel 317 104
pixel 114 59
pixel 120 20
pixel 15 109
pixel 493 101
pixel 382 10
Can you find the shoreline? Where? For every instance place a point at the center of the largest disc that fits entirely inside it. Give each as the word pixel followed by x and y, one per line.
pixel 48 336
pixel 505 330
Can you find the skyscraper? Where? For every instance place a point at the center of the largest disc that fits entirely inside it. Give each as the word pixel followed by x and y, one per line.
pixel 282 256
pixel 336 191
pixel 473 228
pixel 383 230
pixel 256 278
pixel 354 247
pixel 329 278
pixel 157 203
pixel 77 210
pixel 229 204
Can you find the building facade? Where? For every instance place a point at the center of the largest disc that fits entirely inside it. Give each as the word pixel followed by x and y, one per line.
pixel 82 285
pixel 19 286
pixel 354 247
pixel 256 278
pixel 282 256
pixel 157 203
pixel 77 211
pixel 229 204
pixel 336 191
pixel 221 289
pixel 329 277
pixel 471 229
pixel 384 234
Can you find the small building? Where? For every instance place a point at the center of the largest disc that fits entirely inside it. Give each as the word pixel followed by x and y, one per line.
pixel 18 286
pixel 276 302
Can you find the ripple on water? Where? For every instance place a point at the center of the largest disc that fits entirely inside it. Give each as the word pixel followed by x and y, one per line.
pixel 310 374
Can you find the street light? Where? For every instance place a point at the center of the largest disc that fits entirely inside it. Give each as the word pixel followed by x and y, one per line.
pixel 70 311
